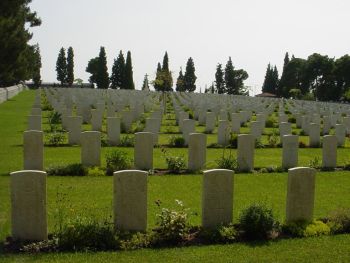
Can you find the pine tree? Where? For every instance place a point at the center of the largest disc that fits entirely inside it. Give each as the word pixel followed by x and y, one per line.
pixel 145 85
pixel 92 68
pixel 118 72
pixel 230 78
pixel 275 80
pixel 61 66
pixel 129 81
pixel 70 66
pixel 36 66
pixel 180 82
pixel 102 78
pixel 267 81
pixel 219 79
pixel 190 77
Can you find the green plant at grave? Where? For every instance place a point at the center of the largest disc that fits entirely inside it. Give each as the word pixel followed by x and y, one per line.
pixel 176 141
pixel 258 222
pixel 55 139
pixel 270 122
pixel 273 139
pixel 54 120
pixel 126 141
pixel 233 141
pixel 259 144
pixel 302 228
pixel 339 221
pixel 227 162
pixel 315 162
pixel 172 225
pixel 175 164
pixel 75 169
pixel 45 104
pixel 223 234
pixel 117 160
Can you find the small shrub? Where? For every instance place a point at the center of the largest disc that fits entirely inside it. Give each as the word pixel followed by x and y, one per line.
pixel 259 144
pixel 139 127
pixel 306 229
pixel 257 222
pixel 55 139
pixel 315 162
pixel 126 141
pixel 292 120
pixel 227 162
pixel 302 144
pixel 176 141
pixel 96 171
pixel 86 234
pixel 339 221
pixel 117 160
pixel 270 122
pixel 172 226
pixel 302 133
pixel 223 234
pixel 75 169
pixel 54 119
pixel 136 241
pixel 273 139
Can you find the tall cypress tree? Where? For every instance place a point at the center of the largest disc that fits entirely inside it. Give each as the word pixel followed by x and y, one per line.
pixel 265 86
pixel 129 81
pixel 180 82
pixel 166 74
pixel 283 81
pixel 61 66
pixel 275 80
pixel 219 79
pixel 230 78
pixel 158 82
pixel 36 67
pixel 70 66
pixel 118 72
pixel 190 76
pixel 102 78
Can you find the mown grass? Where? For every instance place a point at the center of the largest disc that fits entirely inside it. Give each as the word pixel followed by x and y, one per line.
pixel 92 196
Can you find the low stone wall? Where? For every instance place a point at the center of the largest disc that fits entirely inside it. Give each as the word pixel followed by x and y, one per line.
pixel 9 92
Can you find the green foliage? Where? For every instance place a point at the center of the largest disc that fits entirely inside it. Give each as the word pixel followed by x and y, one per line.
pixel 233 141
pixel 227 162
pixel 117 160
pixel 136 241
pixel 273 139
pixel 96 171
pixel 339 221
pixel 36 66
pixel 270 84
pixel 223 234
pixel 174 163
pixel 87 234
pixel 270 122
pixel 70 66
pixel 219 80
pixel 180 82
pixel 234 79
pixel 97 67
pixel 129 79
pixel 306 229
pixel 190 76
pixel 18 61
pixel 176 141
pixel 295 93
pixel 61 66
pixel 54 119
pixel 126 141
pixel 118 72
pixel 55 139
pixel 259 144
pixel 315 162
pixel 308 96
pixel 257 222
pixel 172 226
pixel 75 169
pixel 45 104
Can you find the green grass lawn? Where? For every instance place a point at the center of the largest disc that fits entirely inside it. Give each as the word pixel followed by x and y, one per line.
pixel 92 196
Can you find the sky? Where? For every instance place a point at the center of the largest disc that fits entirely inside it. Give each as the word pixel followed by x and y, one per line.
pixel 252 32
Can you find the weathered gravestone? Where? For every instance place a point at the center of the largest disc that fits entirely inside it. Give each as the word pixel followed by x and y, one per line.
pixel 300 194
pixel 197 151
pixel 143 152
pixel 329 151
pixel 33 150
pixel 217 197
pixel 113 130
pixel 28 205
pixel 130 200
pixel 290 151
pixel 91 148
pixel 245 152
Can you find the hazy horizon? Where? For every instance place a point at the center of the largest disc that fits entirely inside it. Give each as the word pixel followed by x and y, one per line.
pixel 254 33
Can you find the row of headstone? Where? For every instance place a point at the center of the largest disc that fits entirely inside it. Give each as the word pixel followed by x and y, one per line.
pixel 9 92
pixel 29 200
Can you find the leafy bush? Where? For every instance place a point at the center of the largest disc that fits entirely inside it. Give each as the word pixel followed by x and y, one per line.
pixel 55 139
pixel 223 234
pixel 315 162
pixel 75 169
pixel 292 120
pixel 175 163
pixel 86 234
pixel 259 144
pixel 126 141
pixel 95 171
pixel 172 226
pixel 227 162
pixel 176 141
pixel 257 222
pixel 270 122
pixel 45 104
pixel 136 241
pixel 302 133
pixel 117 160
pixel 339 221
pixel 139 127
pixel 54 119
pixel 306 229
pixel 273 139
pixel 302 144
